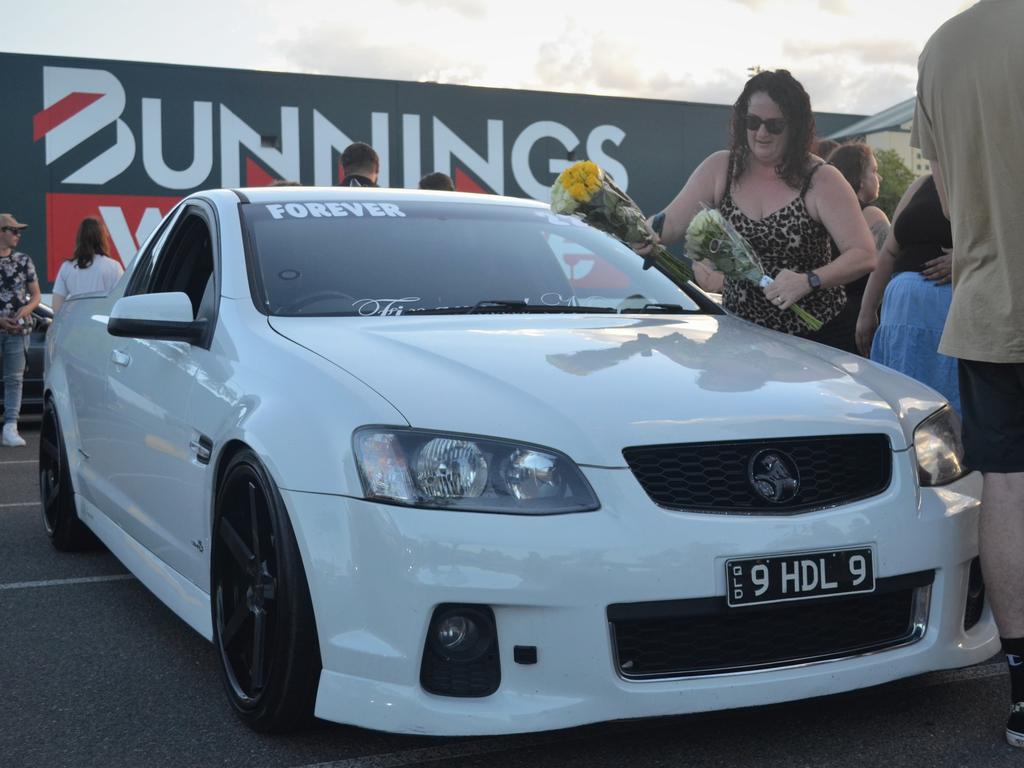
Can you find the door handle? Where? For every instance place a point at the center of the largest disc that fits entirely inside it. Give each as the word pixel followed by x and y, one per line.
pixel 121 358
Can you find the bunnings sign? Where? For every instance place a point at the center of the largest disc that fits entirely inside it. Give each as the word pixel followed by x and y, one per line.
pixel 124 141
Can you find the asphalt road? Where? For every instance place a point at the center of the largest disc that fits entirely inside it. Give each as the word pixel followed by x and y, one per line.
pixel 94 671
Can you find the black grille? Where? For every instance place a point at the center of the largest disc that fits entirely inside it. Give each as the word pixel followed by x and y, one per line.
pixel 704 636
pixel 715 477
pixel 445 677
pixel 975 595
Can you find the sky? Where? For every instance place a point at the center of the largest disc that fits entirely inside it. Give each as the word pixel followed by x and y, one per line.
pixel 852 56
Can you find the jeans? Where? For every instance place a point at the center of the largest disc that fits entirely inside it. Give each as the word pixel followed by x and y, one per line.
pixel 14 374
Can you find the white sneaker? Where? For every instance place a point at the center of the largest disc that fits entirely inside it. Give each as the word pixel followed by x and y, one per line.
pixel 11 437
pixel 1015 725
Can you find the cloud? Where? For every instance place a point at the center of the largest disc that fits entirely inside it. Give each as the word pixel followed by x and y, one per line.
pixel 862 51
pixel 471 9
pixel 860 75
pixel 862 92
pixel 332 50
pixel 581 62
pixel 838 7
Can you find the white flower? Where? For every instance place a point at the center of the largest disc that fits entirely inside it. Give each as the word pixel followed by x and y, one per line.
pixel 562 201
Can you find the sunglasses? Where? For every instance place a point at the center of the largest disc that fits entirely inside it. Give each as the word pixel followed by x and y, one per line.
pixel 774 125
pixel 12 230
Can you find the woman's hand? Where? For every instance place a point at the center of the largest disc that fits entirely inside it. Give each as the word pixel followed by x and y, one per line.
pixel 940 269
pixel 867 324
pixel 707 277
pixel 7 324
pixel 787 288
pixel 644 247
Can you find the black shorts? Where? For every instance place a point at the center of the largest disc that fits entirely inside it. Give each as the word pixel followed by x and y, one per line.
pixel 992 398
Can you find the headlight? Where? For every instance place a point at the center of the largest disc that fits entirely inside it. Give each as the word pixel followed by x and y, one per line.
pixel 940 454
pixel 430 469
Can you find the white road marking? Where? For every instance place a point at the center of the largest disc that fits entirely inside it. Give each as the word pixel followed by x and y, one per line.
pixel 26 461
pixel 65 582
pixel 21 504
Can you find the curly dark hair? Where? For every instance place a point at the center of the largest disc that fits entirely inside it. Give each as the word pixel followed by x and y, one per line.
pixel 91 240
pixel 851 160
pixel 786 91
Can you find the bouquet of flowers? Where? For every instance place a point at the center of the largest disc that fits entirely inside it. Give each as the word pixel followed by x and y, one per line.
pixel 584 190
pixel 709 237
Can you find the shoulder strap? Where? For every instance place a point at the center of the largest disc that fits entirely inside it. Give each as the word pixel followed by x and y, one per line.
pixel 807 183
pixel 728 176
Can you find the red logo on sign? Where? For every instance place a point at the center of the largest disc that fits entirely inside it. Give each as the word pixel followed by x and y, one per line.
pixel 129 220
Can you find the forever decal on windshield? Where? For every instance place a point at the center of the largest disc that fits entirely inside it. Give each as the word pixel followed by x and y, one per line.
pixel 332 210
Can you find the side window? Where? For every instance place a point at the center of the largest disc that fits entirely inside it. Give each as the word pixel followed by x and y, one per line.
pixel 142 268
pixel 186 262
pixel 182 262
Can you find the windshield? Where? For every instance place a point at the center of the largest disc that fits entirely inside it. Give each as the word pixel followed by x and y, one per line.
pixel 439 257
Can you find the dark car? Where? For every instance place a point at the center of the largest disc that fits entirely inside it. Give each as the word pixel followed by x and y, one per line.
pixel 32 394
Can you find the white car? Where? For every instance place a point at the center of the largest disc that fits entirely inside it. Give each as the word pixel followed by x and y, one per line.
pixel 444 463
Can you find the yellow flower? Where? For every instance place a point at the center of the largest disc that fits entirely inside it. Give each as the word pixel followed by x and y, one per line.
pixel 581 180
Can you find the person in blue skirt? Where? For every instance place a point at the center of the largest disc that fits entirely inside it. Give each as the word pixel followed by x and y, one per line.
pixel 913 273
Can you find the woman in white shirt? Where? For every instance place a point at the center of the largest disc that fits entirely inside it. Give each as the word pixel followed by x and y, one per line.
pixel 89 269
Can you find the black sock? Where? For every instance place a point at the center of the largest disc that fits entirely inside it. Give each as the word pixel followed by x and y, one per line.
pixel 1014 650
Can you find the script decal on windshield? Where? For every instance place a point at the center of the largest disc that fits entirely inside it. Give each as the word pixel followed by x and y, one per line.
pixel 382 307
pixel 333 210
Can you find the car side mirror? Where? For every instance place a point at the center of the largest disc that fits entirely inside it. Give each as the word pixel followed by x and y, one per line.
pixel 166 316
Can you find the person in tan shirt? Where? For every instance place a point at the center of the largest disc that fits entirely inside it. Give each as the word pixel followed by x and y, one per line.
pixel 969 122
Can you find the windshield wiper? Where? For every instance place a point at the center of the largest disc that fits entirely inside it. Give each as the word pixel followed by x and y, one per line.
pixel 497 306
pixel 657 308
pixel 509 306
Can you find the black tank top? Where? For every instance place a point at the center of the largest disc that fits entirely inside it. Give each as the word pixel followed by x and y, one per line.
pixel 921 230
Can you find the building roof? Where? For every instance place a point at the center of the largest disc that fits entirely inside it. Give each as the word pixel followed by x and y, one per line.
pixel 888 119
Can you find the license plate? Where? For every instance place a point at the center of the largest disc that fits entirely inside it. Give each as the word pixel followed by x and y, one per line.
pixel 799 576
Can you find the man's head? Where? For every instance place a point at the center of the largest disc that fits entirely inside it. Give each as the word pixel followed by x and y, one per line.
pixel 437 180
pixel 10 231
pixel 360 159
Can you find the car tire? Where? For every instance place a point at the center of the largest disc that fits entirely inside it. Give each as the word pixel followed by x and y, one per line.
pixel 263 623
pixel 60 516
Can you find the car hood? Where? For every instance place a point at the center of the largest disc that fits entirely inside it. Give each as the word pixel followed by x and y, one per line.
pixel 591 385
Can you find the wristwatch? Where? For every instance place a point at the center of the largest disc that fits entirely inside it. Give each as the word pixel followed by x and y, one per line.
pixel 814 281
pixel 658 223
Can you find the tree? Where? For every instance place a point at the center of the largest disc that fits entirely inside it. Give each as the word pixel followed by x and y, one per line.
pixel 896 177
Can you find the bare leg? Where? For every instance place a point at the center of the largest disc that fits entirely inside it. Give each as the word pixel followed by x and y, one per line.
pixel 1002 549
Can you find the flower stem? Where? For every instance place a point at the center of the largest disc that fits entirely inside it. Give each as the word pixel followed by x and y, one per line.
pixel 807 318
pixel 676 269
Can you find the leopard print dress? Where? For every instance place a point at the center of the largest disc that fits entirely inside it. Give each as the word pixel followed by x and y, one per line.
pixel 785 239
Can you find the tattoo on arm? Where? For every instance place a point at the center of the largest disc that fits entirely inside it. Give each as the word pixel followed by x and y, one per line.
pixel 880 229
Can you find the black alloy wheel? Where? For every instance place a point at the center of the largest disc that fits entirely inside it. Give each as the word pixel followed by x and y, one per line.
pixel 263 623
pixel 57 498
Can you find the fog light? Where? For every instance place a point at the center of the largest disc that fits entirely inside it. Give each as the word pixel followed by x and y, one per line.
pixel 457 633
pixel 461 633
pixel 460 653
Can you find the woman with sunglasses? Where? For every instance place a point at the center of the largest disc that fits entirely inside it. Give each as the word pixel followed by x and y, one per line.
pixel 786 202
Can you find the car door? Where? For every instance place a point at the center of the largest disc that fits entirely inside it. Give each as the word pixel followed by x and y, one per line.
pixel 152 465
pixel 85 354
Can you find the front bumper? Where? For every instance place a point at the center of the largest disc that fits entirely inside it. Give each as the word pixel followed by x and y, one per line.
pixel 377 572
